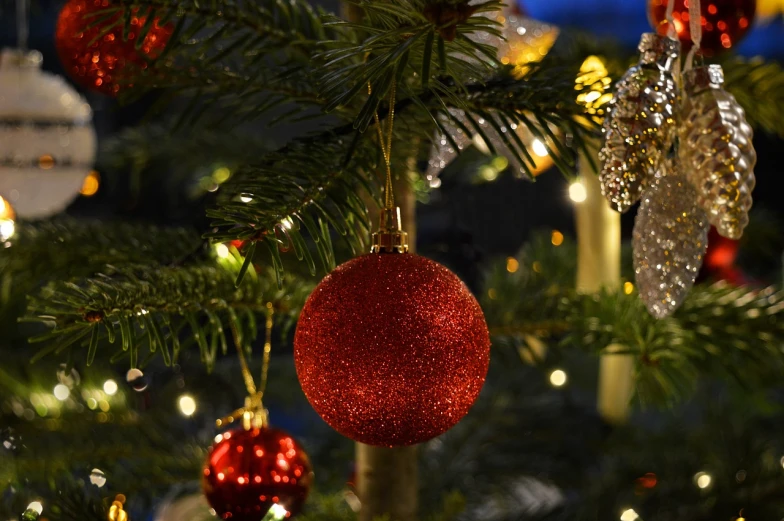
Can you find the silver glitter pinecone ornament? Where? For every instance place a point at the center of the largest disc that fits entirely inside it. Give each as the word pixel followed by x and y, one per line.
pixel 641 122
pixel 716 150
pixel 669 241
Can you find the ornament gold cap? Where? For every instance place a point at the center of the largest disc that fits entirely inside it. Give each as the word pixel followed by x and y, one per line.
pixel 390 238
pixel 701 78
pixel 660 50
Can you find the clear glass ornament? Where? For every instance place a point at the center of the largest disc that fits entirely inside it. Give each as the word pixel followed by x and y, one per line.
pixel 669 241
pixel 526 41
pixel 47 141
pixel 641 122
pixel 716 150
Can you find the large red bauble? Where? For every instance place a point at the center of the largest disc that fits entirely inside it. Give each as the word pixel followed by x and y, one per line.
pixel 724 22
pixel 106 63
pixel 249 472
pixel 391 349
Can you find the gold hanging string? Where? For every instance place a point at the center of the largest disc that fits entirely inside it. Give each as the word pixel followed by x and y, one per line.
pixel 267 349
pixel 253 413
pixel 386 146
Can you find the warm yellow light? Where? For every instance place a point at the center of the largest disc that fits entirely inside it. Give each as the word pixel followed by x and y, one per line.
pixel 769 8
pixel 703 480
pixel 221 175
pixel 36 507
pixel 539 148
pixel 110 387
pixel 592 84
pixel 6 210
pixel 499 163
pixel 537 266
pixel 187 405
pixel 221 250
pixel 46 161
pixel 246 198
pixel 7 229
pixel 512 265
pixel 556 238
pixel 488 173
pixel 91 184
pixel 577 192
pixel 558 378
pixel 628 287
pixel 61 392
pixel 629 515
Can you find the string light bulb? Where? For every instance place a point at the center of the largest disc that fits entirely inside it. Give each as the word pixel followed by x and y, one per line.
pixel 110 387
pixel 187 405
pixel 539 148
pixel 91 184
pixel 629 515
pixel 222 251
pixel 61 392
pixel 703 480
pixel 577 192
pixel 558 378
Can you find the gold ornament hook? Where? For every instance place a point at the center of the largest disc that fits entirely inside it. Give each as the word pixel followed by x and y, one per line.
pixel 116 512
pixel 253 413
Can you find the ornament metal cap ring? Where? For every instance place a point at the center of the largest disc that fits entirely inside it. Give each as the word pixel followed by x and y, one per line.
pixel 390 238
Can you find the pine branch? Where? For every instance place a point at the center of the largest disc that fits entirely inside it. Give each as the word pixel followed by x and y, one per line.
pixel 65 248
pixel 720 330
pixel 307 187
pixel 138 307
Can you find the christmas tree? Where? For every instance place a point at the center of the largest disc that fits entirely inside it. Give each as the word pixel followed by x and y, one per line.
pixel 205 333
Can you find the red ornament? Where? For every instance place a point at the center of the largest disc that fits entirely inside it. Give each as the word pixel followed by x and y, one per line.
pixel 724 22
pixel 248 472
pixel 101 65
pixel 391 349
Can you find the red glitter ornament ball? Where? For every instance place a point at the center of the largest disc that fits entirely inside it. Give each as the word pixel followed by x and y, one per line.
pixel 724 22
pixel 391 349
pixel 248 473
pixel 99 65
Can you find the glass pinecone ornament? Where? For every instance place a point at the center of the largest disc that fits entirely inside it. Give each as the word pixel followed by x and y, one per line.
pixel 669 241
pixel 641 122
pixel 716 150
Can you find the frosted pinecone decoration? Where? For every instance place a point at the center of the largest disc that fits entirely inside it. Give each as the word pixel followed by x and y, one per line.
pixel 716 150
pixel 669 241
pixel 641 122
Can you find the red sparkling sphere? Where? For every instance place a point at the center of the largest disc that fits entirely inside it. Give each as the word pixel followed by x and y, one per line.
pixel 249 472
pixel 103 64
pixel 391 349
pixel 724 22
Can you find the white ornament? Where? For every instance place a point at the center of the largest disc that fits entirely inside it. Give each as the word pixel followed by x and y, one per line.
pixel 47 141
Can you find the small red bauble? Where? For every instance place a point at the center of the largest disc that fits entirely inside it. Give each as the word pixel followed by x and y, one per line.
pixel 391 349
pixel 724 22
pixel 100 65
pixel 249 472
